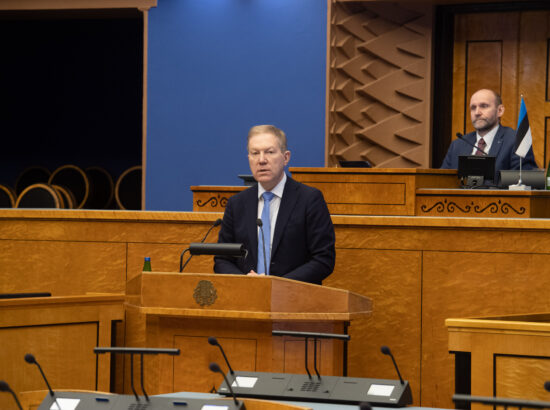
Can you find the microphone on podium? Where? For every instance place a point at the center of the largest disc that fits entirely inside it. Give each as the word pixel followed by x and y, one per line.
pixel 6 387
pixel 216 223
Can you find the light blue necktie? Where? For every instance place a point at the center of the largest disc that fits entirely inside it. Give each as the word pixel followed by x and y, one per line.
pixel 266 226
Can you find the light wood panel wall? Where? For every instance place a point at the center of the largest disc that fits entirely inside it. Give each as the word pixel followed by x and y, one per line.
pixel 379 83
pixel 418 272
pixel 509 53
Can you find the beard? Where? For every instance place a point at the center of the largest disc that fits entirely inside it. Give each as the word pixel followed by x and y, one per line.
pixel 483 124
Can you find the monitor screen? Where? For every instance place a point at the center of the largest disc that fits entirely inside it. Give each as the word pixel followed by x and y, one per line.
pixel 355 164
pixel 476 165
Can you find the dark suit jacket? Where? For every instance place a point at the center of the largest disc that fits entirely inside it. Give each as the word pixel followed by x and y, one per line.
pixel 502 148
pixel 303 241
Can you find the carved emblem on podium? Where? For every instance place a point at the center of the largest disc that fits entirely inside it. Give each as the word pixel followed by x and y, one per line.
pixel 205 293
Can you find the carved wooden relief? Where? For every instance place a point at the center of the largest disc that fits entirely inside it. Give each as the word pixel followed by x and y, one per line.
pixel 378 105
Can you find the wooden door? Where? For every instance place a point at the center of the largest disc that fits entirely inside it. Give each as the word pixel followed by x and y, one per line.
pixel 507 52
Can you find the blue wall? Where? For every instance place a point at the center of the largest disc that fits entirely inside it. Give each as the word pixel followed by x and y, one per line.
pixel 217 67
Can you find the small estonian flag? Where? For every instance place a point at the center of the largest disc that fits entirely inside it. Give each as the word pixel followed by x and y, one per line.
pixel 524 140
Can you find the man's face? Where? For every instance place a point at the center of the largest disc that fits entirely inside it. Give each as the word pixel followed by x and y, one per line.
pixel 484 111
pixel 267 161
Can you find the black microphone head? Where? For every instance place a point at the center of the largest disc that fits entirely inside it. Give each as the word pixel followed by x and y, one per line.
pixel 213 341
pixel 29 358
pixel 4 386
pixel 215 367
pixel 365 405
pixel 218 222
pixel 547 385
pixel 385 350
pixel 259 222
pixel 459 135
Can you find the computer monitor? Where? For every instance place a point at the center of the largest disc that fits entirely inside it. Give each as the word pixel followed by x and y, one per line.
pixel 355 164
pixel 476 170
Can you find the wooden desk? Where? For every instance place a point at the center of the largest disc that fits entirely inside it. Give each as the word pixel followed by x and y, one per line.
pixel 509 356
pixel 183 310
pixel 61 333
pixel 418 271
pixel 373 191
pixel 484 203
pixel 213 198
pixel 349 191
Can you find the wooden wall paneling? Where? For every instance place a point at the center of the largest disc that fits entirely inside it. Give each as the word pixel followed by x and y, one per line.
pixel 521 376
pixel 485 56
pixel 386 276
pixel 61 333
pixel 418 271
pixel 62 267
pixel 473 284
pixel 533 73
pixel 378 105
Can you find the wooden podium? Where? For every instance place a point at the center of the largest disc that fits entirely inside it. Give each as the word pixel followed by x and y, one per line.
pixel 173 310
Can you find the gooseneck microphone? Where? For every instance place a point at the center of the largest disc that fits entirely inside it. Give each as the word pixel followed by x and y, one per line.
pixel 30 359
pixel 216 369
pixel 214 342
pixel 261 224
pixel 217 222
pixel 460 136
pixel 386 350
pixel 6 387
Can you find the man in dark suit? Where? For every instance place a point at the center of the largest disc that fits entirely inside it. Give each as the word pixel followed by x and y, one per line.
pixel 296 224
pixel 486 109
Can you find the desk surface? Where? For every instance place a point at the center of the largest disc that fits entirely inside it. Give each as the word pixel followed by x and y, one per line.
pixel 312 405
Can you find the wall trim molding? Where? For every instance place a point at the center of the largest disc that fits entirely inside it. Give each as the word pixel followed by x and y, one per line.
pixel 75 4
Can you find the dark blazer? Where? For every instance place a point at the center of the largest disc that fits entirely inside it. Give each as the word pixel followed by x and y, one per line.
pixel 502 148
pixel 303 242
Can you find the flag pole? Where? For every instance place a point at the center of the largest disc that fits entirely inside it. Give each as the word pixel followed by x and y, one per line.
pixel 523 133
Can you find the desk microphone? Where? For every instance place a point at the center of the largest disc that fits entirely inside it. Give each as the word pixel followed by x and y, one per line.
pixel 5 387
pixel 386 350
pixel 261 224
pixel 216 368
pixel 29 358
pixel 217 222
pixel 460 136
pixel 214 342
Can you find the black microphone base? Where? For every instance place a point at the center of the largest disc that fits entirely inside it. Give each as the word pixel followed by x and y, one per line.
pixel 101 401
pixel 328 389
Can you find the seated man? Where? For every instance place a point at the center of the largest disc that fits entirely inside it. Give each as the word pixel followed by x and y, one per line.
pixel 295 221
pixel 486 109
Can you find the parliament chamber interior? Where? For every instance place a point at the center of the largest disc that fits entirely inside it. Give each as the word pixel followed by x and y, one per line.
pixel 125 127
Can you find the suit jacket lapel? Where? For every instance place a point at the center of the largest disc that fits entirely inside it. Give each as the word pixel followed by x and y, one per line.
pixel 288 201
pixel 471 138
pixel 497 142
pixel 251 227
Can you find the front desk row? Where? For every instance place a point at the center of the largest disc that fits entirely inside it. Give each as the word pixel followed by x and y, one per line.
pixel 242 384
pixel 259 385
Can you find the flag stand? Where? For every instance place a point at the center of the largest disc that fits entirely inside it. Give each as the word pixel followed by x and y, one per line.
pixel 520 186
pixel 524 141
